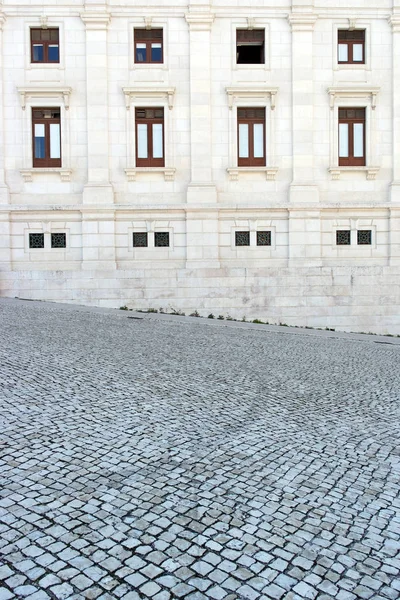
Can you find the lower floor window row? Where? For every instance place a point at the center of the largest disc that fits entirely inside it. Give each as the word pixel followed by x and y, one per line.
pixel 57 240
pixel 140 239
pixel 242 238
pixel 364 237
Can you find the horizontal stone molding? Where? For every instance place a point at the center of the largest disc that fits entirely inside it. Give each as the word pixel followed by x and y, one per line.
pixel 28 174
pixel 61 93
pixel 96 20
pixel 149 93
pixel 353 92
pixel 133 172
pixel 371 172
pixel 236 93
pixel 235 172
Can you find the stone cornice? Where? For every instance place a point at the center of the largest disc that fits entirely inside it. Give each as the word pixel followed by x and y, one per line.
pixel 2 20
pixel 251 91
pixel 394 21
pixel 353 92
pixel 54 91
pixel 302 21
pixel 96 20
pixel 199 21
pixel 149 93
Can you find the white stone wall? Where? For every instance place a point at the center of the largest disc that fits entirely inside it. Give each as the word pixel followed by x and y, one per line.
pixel 99 198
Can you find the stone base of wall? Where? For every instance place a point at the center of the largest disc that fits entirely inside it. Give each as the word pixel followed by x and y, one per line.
pixel 359 299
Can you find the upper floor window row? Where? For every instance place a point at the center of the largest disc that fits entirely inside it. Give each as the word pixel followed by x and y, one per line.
pixel 148 46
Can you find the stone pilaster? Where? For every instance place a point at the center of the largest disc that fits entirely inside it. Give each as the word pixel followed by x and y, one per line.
pixel 394 244
pixel 98 228
pixel 200 18
pixel 4 192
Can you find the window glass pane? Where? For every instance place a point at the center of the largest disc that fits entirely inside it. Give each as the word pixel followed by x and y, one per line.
pixel 142 140
pixel 38 53
pixel 53 53
pixel 39 141
pixel 55 142
pixel 243 140
pixel 140 52
pixel 343 54
pixel 157 140
pixel 258 135
pixel 357 52
pixel 156 52
pixel 343 140
pixel 358 133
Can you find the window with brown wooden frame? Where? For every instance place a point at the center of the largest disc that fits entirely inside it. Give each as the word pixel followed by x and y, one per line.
pixel 251 137
pixel 45 45
pixel 149 137
pixel 250 45
pixel 149 46
pixel 352 137
pixel 46 137
pixel 351 46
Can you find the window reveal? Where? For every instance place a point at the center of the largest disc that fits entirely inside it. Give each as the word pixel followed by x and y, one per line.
pixel 250 46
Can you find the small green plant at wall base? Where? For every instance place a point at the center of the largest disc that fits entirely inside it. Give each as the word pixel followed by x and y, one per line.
pixel 229 318
pixel 244 319
pixel 195 314
pixel 210 316
pixel 177 313
pixel 258 321
pixel 123 308
pixel 221 317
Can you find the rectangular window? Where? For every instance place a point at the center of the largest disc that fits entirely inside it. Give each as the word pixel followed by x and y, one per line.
pixel 148 45
pixel 251 137
pixel 36 240
pixel 161 239
pixel 263 238
pixel 139 239
pixel 351 46
pixel 242 238
pixel 45 45
pixel 46 137
pixel 58 240
pixel 149 137
pixel 343 237
pixel 352 137
pixel 250 45
pixel 364 237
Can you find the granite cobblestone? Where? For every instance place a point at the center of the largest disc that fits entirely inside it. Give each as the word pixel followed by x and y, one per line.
pixel 170 458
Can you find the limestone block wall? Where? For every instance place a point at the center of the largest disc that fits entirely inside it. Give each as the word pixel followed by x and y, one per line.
pixel 99 198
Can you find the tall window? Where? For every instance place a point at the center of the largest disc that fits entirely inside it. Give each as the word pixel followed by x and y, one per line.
pixel 351 46
pixel 46 137
pixel 149 137
pixel 250 46
pixel 352 137
pixel 45 46
pixel 251 137
pixel 148 45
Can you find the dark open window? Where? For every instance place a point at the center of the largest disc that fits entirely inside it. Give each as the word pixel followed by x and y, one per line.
pixel 352 137
pixel 45 45
pixel 149 137
pixel 148 45
pixel 46 137
pixel 251 137
pixel 351 46
pixel 250 46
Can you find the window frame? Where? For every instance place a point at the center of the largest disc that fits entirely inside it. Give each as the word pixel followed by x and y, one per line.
pixel 46 162
pixel 46 44
pixel 150 161
pixel 251 161
pixel 148 42
pixel 344 24
pixel 250 43
pixel 350 44
pixel 351 160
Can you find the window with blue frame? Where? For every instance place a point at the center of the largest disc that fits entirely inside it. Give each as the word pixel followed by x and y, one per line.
pixel 45 45
pixel 148 46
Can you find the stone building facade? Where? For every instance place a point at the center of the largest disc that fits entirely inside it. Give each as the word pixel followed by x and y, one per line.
pixel 204 156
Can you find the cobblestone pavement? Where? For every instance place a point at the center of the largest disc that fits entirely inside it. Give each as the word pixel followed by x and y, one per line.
pixel 185 458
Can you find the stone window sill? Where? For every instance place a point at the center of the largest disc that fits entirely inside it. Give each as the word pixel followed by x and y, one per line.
pixel 132 173
pixel 270 172
pixel 371 172
pixel 27 174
